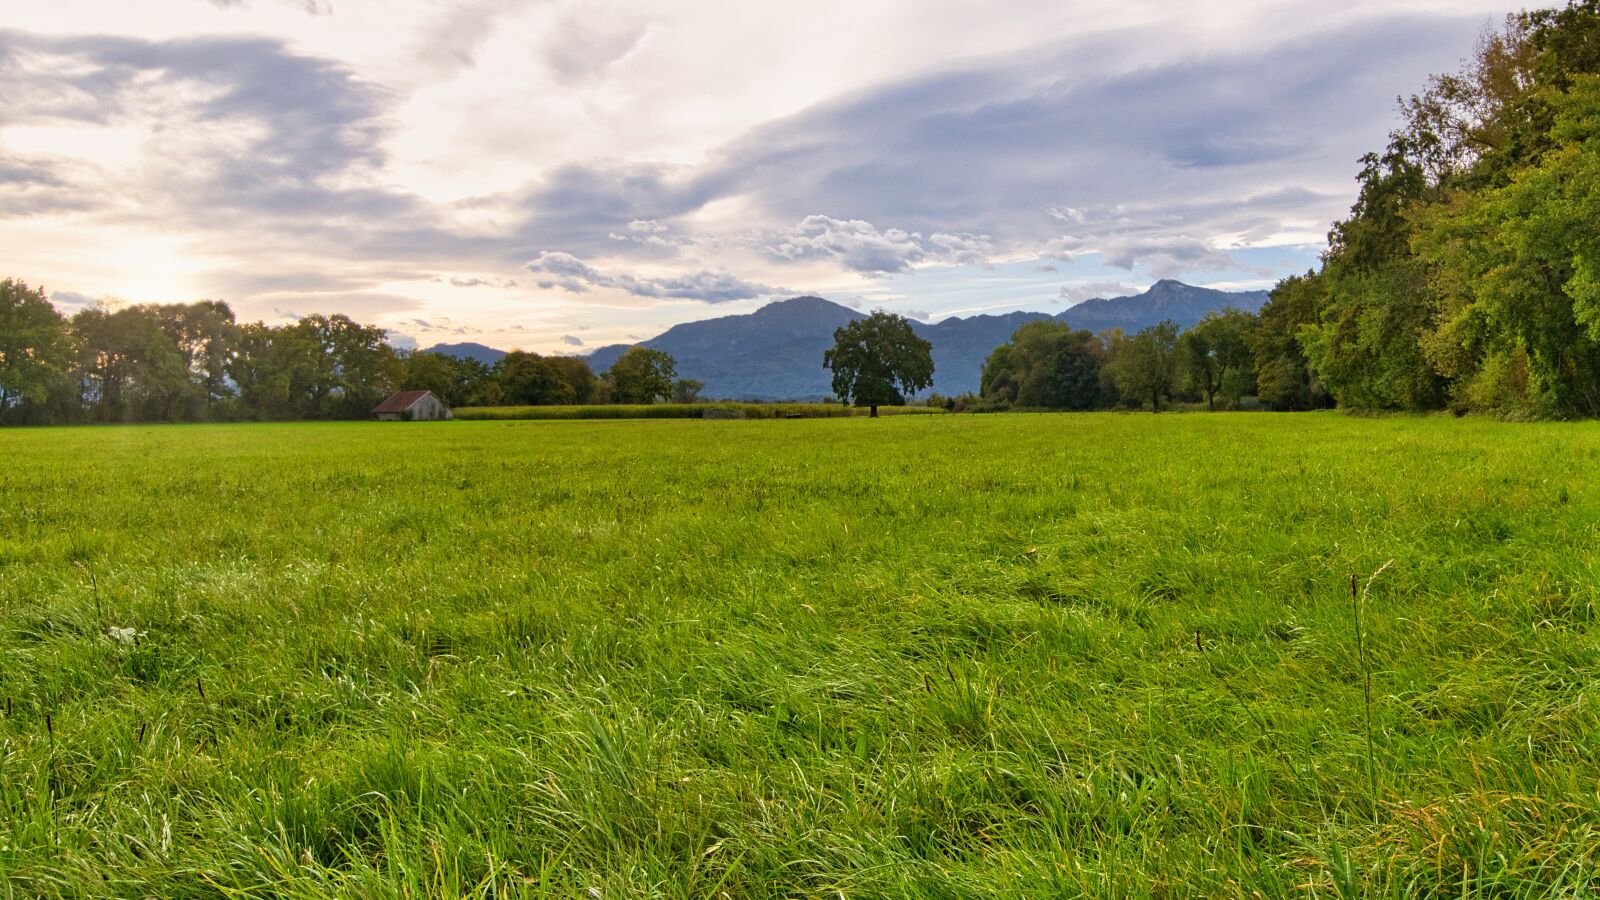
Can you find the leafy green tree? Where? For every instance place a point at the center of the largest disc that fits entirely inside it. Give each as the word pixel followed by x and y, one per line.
pixel 1365 346
pixel 424 371
pixel 527 379
pixel 642 375
pixel 1214 356
pixel 1002 374
pixel 876 358
pixel 130 368
pixel 1146 364
pixel 1468 126
pixel 533 380
pixel 353 369
pixel 207 337
pixel 580 382
pixel 1045 365
pixel 35 355
pixel 1283 377
pixel 458 381
pixel 687 390
pixel 273 371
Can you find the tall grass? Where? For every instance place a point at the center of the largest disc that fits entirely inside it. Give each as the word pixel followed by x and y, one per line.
pixel 935 656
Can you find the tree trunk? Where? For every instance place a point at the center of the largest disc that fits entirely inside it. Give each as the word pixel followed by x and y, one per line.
pixel 874 413
pixel 1211 400
pixel 1155 400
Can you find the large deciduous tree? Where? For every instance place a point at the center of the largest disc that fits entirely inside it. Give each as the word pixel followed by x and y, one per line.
pixel 130 369
pixel 877 360
pixel 207 337
pixel 533 380
pixel 642 375
pixel 1045 365
pixel 35 354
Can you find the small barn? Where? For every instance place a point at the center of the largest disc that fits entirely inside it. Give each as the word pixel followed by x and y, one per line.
pixel 412 406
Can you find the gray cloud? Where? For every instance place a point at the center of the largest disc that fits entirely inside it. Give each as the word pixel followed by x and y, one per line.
pixel 34 186
pixel 1048 160
pixel 572 274
pixel 504 283
pixel 586 42
pixel 583 207
pixel 1098 290
pixel 277 144
pixel 359 305
pixel 72 301
pixel 860 246
pixel 572 340
pixel 1021 156
pixel 450 42
pixel 39 173
pixel 310 7
pixel 440 326
pixel 1166 258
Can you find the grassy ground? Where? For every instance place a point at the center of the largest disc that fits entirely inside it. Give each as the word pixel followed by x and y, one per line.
pixel 1052 655
pixel 679 411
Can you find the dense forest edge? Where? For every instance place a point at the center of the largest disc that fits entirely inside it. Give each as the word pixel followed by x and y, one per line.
pixel 1465 278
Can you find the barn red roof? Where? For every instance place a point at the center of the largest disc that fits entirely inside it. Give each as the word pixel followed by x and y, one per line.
pixel 399 402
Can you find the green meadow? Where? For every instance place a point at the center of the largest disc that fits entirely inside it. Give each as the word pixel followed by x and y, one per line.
pixel 679 411
pixel 922 656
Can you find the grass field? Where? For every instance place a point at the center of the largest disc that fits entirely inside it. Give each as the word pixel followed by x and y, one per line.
pixel 679 411
pixel 940 656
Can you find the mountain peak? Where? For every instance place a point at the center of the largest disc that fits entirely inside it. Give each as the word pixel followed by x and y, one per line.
pixel 807 302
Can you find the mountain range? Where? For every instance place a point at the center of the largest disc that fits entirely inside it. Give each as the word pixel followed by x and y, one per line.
pixel 775 353
pixel 470 350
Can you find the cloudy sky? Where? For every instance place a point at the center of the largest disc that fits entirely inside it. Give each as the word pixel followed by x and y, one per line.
pixel 558 174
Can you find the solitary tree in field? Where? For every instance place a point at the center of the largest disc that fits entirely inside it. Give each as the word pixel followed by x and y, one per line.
pixel 642 376
pixel 876 358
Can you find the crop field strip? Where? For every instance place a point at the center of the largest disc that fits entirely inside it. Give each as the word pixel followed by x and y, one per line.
pixel 1049 655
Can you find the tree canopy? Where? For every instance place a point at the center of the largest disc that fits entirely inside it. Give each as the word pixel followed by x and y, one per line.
pixel 35 354
pixel 642 375
pixel 1046 365
pixel 877 360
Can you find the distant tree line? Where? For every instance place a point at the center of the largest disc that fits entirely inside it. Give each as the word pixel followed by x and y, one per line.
pixel 1221 361
pixel 193 362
